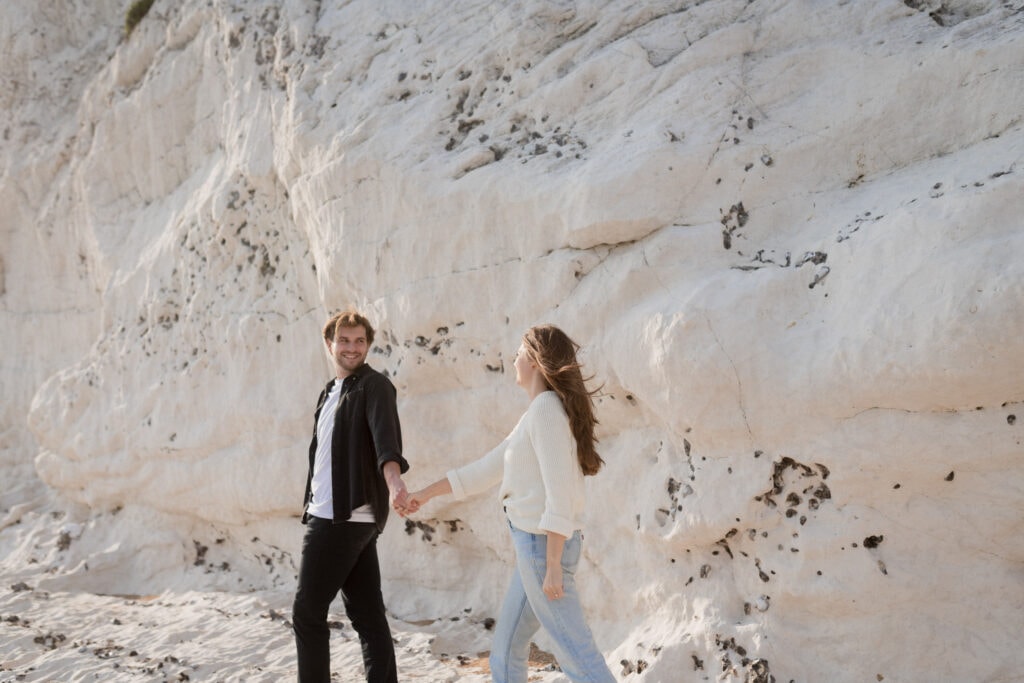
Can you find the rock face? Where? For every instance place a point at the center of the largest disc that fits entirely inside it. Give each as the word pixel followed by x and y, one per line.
pixel 788 235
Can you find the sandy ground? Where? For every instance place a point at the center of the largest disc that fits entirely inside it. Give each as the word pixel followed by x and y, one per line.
pixel 206 636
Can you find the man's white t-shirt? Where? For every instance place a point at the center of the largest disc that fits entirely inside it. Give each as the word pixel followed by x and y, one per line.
pixel 322 504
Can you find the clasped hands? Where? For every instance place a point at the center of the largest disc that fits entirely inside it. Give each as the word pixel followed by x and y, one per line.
pixel 401 500
pixel 405 503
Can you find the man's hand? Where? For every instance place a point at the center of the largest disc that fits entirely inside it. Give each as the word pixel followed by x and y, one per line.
pixel 400 498
pixel 398 495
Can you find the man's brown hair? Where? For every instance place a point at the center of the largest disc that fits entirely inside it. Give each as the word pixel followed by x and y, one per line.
pixel 348 318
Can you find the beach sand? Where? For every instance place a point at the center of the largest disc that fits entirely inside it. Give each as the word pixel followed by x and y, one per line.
pixel 214 636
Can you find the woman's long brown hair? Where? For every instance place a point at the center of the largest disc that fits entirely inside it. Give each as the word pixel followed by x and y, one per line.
pixel 555 355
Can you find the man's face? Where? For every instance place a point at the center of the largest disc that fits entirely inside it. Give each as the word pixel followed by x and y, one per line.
pixel 348 349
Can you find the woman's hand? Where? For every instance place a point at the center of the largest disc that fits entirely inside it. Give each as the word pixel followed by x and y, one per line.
pixel 553 582
pixel 417 499
pixel 553 587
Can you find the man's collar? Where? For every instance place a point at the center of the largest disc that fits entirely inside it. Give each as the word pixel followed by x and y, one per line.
pixel 357 373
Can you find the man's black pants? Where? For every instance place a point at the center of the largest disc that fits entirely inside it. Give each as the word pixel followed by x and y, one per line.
pixel 341 557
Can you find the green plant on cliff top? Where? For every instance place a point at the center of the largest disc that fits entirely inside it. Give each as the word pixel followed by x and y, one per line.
pixel 134 15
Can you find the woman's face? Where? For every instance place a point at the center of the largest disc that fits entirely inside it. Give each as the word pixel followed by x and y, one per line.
pixel 526 369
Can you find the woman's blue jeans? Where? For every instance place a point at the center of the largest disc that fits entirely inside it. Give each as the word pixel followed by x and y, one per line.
pixel 526 609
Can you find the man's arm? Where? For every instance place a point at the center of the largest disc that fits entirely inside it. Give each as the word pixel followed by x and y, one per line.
pixel 382 419
pixel 386 431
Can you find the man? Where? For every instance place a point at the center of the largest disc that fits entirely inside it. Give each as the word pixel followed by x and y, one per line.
pixel 355 468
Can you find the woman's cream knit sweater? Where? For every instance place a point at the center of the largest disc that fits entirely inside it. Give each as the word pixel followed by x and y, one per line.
pixel 541 480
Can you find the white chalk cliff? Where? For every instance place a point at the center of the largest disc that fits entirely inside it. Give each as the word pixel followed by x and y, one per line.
pixel 788 234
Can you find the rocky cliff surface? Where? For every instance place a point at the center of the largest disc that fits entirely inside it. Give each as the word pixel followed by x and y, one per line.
pixel 788 235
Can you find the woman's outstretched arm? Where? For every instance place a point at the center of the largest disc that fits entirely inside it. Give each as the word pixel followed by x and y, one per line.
pixel 416 499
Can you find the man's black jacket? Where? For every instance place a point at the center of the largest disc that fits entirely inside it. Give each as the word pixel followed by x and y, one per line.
pixel 367 434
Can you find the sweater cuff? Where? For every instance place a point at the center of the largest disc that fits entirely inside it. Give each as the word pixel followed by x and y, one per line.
pixel 458 490
pixel 560 525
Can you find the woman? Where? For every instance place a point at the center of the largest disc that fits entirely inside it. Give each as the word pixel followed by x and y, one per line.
pixel 540 466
